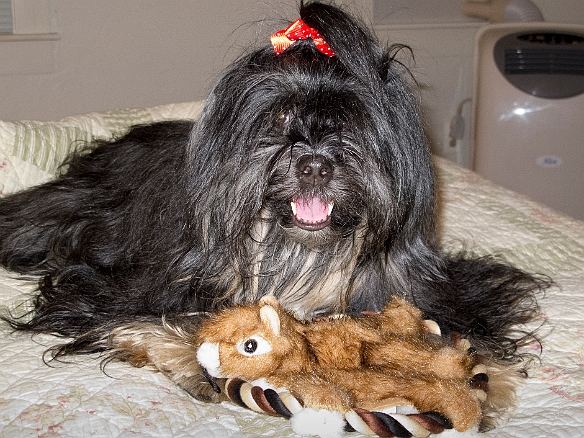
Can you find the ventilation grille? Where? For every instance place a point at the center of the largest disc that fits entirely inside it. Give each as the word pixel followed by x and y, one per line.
pixel 544 61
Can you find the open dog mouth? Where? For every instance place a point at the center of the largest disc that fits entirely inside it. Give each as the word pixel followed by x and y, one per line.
pixel 311 214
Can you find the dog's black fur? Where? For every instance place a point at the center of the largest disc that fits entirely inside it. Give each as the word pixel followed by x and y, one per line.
pixel 177 217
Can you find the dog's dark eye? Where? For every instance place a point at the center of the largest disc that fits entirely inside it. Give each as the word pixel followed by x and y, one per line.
pixel 250 346
pixel 285 117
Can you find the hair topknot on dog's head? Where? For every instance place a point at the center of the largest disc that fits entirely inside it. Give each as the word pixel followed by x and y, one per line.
pixel 352 42
pixel 331 146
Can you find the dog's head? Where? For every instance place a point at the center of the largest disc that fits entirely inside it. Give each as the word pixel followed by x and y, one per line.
pixel 318 148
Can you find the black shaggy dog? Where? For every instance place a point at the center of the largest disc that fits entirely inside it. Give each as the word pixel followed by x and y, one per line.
pixel 307 177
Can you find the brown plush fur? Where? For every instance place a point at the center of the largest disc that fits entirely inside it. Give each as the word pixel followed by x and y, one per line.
pixel 169 348
pixel 338 364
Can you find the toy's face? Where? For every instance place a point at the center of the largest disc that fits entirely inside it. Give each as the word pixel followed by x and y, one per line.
pixel 237 358
pixel 244 343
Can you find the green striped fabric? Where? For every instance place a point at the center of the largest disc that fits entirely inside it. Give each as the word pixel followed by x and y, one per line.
pixel 46 145
pixel 118 121
pixel 32 151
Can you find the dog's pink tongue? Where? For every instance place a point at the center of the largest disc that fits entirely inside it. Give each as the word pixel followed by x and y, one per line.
pixel 311 210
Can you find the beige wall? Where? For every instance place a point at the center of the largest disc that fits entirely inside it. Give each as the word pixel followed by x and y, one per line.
pixel 137 53
pixel 562 11
pixel 130 53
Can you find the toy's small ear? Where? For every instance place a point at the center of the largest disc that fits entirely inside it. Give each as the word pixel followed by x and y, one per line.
pixel 269 300
pixel 269 316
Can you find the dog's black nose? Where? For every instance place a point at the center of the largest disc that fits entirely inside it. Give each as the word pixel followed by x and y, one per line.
pixel 314 169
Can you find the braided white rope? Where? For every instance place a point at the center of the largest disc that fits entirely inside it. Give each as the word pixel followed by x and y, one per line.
pixel 393 421
pixel 398 421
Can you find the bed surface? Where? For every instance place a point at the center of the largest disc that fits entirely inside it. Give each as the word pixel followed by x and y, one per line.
pixel 77 399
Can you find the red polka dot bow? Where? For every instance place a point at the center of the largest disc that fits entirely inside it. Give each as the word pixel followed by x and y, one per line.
pixel 298 30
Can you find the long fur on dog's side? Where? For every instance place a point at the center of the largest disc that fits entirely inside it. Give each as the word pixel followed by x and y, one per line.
pixel 176 217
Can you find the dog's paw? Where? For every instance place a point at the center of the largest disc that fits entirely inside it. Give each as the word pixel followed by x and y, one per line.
pixel 199 387
pixel 321 422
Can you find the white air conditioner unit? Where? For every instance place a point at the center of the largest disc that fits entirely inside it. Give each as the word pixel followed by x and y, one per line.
pixel 528 111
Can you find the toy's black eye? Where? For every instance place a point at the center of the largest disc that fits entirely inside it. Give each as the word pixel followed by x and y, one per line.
pixel 250 346
pixel 255 345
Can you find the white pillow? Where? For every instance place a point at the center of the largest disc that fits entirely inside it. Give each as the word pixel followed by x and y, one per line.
pixel 31 152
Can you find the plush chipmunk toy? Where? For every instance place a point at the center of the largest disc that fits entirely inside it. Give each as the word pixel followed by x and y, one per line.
pixel 343 369
pixel 386 374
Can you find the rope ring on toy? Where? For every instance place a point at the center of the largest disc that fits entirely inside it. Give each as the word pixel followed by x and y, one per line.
pixel 392 422
pixel 383 424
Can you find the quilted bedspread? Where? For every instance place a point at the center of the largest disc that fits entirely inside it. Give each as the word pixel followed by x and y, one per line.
pixel 78 398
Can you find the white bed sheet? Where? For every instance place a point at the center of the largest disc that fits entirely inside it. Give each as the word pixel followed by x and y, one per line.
pixel 77 399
